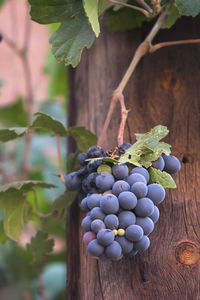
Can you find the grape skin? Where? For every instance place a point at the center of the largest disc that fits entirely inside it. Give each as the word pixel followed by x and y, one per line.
pixel 159 163
pixel 105 237
pixel 84 204
pixel 127 200
pixel 119 187
pixel 93 200
pixel 126 218
pixel 111 221
pixel 95 249
pixel 139 189
pixel 143 244
pixel 134 233
pixel 136 177
pixel 114 250
pixel 155 215
pixel 95 151
pixel 146 224
pixel 141 171
pixel 88 237
pixel 104 181
pixel 72 181
pixel 81 158
pixel 144 208
pixel 156 193
pixel 97 225
pixel 86 223
pixel 109 204
pixel 96 213
pixel 120 171
pixel 126 245
pixel 172 164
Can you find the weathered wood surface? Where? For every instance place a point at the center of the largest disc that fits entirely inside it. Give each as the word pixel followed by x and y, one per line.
pixel 165 89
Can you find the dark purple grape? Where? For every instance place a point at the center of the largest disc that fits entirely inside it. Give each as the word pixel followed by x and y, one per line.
pixel 122 148
pixel 86 223
pixel 119 187
pixel 127 200
pixel 141 171
pixel 84 204
pixel 105 237
pixel 104 181
pixel 146 224
pixel 120 171
pixel 81 158
pixel 97 225
pixel 139 189
pixel 95 151
pixel 114 250
pixel 133 253
pixel 88 237
pixel 172 164
pixel 111 221
pixel 134 233
pixel 126 218
pixel 155 215
pixel 159 163
pixel 96 213
pixel 93 166
pixel 93 200
pixel 126 245
pixel 144 208
pixel 135 177
pixel 109 204
pixel 143 244
pixel 156 193
pixel 95 249
pixel 82 172
pixel 72 181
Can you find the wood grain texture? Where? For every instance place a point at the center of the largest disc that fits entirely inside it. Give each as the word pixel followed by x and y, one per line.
pixel 165 90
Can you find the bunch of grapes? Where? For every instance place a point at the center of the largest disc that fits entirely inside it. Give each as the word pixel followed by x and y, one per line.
pixel 120 203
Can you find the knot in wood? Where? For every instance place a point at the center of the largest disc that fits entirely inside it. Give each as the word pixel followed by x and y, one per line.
pixel 187 253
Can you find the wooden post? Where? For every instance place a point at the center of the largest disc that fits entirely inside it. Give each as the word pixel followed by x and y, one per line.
pixel 165 89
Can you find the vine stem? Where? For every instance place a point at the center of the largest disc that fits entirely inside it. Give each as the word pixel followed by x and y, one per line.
pixel 172 43
pixel 142 49
pixel 145 12
pixel 62 178
pixel 41 215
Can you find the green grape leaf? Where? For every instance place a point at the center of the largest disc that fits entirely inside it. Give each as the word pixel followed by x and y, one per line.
pixel 91 10
pixel 83 137
pixel 64 200
pixel 46 122
pixel 40 245
pixel 124 19
pixel 10 134
pixel 14 114
pixel 161 177
pixel 74 33
pixel 173 16
pixel 25 186
pixel 154 135
pixel 103 6
pixel 188 7
pixel 3 237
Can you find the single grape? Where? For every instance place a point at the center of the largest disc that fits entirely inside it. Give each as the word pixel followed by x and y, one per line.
pixel 136 177
pixel 126 245
pixel 111 221
pixel 134 233
pixel 146 224
pixel 155 215
pixel 119 187
pixel 97 225
pixel 88 237
pixel 159 163
pixel 114 250
pixel 104 181
pixel 127 200
pixel 126 218
pixel 142 171
pixel 93 200
pixel 115 231
pixel 105 237
pixel 95 151
pixel 96 213
pixel 82 172
pixel 156 193
pixel 81 158
pixel 133 253
pixel 120 171
pixel 121 232
pixel 109 204
pixel 84 204
pixel 72 181
pixel 86 223
pixel 85 185
pixel 104 168
pixel 139 189
pixel 172 164
pixel 95 249
pixel 144 208
pixel 92 179
pixel 143 244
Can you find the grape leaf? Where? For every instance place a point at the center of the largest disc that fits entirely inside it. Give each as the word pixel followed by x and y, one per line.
pixel 154 135
pixel 44 121
pixel 83 137
pixel 40 245
pixel 188 7
pixel 103 6
pixel 14 114
pixel 161 177
pixel 25 186
pixel 91 10
pixel 64 200
pixel 10 134
pixel 174 14
pixel 74 33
